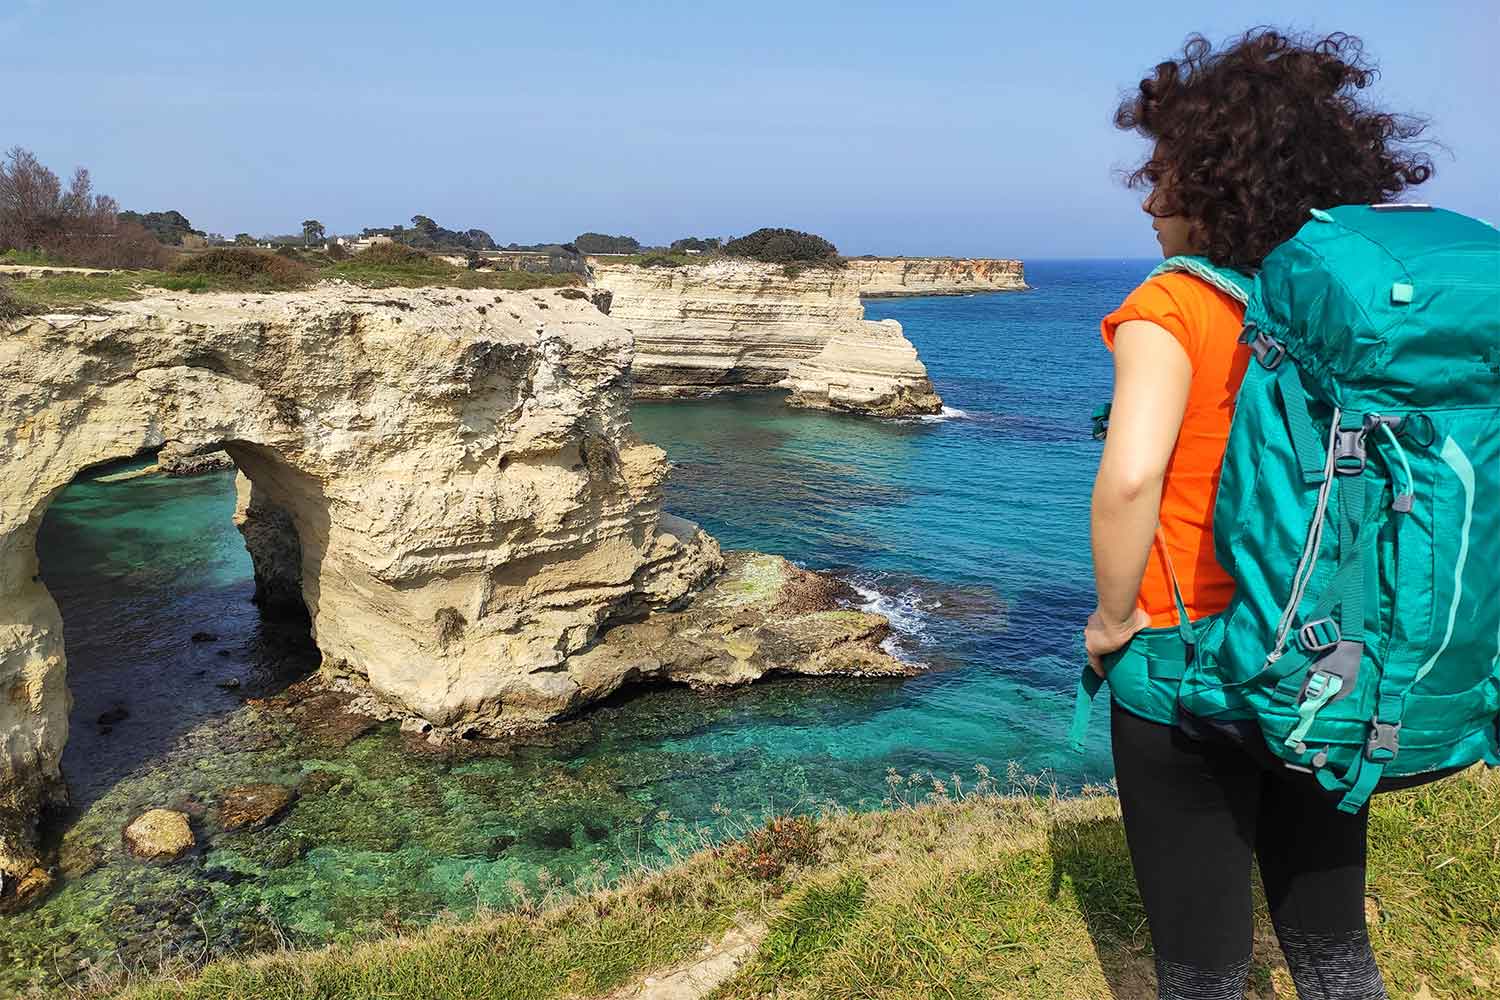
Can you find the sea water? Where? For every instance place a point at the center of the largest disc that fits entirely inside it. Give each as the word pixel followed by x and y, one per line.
pixel 968 529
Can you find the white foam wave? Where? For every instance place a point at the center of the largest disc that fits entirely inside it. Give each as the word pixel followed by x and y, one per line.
pixel 909 613
pixel 947 413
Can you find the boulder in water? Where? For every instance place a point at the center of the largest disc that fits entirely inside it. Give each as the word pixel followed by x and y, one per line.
pixel 159 835
pixel 253 805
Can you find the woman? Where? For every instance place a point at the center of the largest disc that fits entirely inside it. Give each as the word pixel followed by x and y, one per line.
pixel 1247 140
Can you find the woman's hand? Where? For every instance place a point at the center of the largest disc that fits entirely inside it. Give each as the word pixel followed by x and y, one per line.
pixel 1101 637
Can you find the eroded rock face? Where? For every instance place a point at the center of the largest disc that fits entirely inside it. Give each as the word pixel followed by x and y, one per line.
pixel 468 500
pixel 864 369
pixel 735 325
pixel 760 616
pixel 890 277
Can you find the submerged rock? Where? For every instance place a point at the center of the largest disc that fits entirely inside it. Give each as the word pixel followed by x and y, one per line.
pixel 253 805
pixel 158 835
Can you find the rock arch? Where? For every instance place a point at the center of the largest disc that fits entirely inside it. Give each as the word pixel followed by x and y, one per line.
pixel 469 501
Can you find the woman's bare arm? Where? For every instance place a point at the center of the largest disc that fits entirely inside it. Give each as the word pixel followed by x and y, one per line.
pixel 1152 378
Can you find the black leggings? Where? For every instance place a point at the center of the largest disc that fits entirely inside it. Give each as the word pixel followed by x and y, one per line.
pixel 1195 812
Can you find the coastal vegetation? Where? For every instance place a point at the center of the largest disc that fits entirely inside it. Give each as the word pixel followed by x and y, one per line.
pixel 242 269
pixel 954 889
pixel 425 234
pixel 600 243
pixel 39 215
pixel 171 228
pixel 696 244
pixel 791 248
pixel 784 246
pixel 390 264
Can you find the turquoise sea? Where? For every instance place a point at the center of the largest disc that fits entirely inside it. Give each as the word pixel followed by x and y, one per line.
pixel 969 530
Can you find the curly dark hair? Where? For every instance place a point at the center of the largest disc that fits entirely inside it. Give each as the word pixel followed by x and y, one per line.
pixel 1250 137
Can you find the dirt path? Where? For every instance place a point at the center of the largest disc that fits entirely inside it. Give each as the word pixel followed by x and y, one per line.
pixel 701 975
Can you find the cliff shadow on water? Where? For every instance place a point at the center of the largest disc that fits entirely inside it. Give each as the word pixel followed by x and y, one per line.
pixel 156 592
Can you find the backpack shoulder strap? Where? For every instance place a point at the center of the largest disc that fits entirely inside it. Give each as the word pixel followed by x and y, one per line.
pixel 1235 284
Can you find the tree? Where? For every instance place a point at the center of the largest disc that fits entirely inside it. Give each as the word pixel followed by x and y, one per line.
pixel 600 243
pixel 702 245
pixel 478 239
pixel 244 240
pixel 312 232
pixel 74 225
pixel 171 228
pixel 784 246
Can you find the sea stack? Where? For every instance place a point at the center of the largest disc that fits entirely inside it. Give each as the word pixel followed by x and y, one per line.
pixel 732 325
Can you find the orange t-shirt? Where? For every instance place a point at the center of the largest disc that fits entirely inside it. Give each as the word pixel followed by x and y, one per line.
pixel 1207 323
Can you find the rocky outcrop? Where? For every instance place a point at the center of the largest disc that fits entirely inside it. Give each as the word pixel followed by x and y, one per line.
pixel 735 325
pixel 469 502
pixel 275 551
pixel 888 277
pixel 864 369
pixel 761 615
pixel 177 459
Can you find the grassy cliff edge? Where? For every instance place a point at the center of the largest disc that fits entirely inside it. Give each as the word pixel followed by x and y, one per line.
pixel 953 891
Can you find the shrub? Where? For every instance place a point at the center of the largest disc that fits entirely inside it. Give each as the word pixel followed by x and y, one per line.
pixel 766 853
pixel 702 245
pixel 784 246
pixel 236 267
pixel 9 308
pixel 392 254
pixel 659 259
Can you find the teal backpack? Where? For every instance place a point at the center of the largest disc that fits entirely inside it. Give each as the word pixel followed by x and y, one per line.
pixel 1358 509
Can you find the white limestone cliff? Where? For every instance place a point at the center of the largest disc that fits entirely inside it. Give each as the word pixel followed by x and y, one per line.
pixel 736 325
pixel 889 277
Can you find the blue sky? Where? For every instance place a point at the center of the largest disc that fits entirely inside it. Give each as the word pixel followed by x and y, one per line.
pixel 958 128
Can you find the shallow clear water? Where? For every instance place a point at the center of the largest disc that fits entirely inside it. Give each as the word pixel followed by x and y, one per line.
pixel 969 531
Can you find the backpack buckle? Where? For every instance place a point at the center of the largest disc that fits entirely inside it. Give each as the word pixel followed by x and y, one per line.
pixel 1385 738
pixel 1101 421
pixel 1342 662
pixel 1318 636
pixel 1349 456
pixel 1267 349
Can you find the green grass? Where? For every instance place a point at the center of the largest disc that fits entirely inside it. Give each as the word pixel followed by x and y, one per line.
pixel 34 258
pixel 430 271
pixel 65 292
pixel 665 258
pixel 964 895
